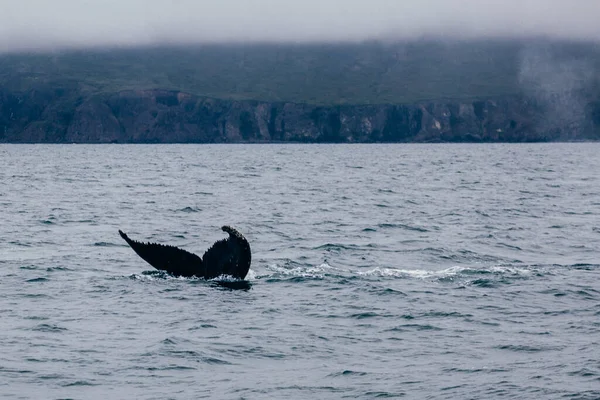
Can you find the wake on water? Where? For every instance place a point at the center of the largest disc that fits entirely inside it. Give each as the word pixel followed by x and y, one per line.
pixel 286 272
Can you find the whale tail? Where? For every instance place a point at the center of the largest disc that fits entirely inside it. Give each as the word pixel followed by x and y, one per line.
pixel 167 258
pixel 231 256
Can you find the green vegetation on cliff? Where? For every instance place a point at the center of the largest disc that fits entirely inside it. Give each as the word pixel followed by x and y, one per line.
pixel 325 74
pixel 428 90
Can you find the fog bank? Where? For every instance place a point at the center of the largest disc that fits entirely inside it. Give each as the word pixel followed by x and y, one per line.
pixel 43 24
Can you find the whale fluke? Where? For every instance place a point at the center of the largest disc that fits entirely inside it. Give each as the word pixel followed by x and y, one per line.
pixel 230 256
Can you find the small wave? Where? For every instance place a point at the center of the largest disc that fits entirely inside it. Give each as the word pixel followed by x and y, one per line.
pixel 171 368
pixel 526 348
pixel 195 356
pixel 34 280
pixel 51 376
pixel 347 373
pixel 403 226
pixel 387 291
pixel 585 267
pixel 5 370
pixel 484 283
pixel 414 327
pixel 303 272
pixel 203 326
pixel 17 243
pixel 48 328
pixel 406 273
pixel 168 341
pixel 511 270
pixel 365 315
pixel 384 395
pixel 52 269
pixel 452 273
pixel 79 383
pixel 508 246
pixel 81 221
pixel 36 318
pixel 336 247
pixel 35 296
pixel 189 210
pixel 465 256
pixel 106 244
pixel 584 372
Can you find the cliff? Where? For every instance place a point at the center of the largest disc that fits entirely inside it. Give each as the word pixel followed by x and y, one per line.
pixel 158 116
pixel 405 92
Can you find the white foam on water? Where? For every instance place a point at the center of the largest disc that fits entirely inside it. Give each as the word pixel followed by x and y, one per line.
pixel 414 273
pixel 251 275
pixel 511 270
pixel 445 273
pixel 302 272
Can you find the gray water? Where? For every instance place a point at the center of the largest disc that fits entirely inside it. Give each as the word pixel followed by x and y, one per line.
pixel 415 271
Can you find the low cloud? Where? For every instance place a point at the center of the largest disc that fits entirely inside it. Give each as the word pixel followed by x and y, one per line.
pixel 45 24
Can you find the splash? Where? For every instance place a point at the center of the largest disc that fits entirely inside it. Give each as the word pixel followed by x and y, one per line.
pixel 449 273
pixel 302 271
pixel 557 82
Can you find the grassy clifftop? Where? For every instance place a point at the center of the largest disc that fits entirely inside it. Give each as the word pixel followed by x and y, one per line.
pixel 320 74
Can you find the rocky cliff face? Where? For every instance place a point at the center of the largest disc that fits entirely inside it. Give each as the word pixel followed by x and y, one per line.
pixel 157 116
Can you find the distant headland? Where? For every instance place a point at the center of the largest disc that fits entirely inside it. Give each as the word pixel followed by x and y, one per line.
pixel 502 90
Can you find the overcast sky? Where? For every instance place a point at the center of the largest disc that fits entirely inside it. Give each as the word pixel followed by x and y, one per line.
pixel 29 24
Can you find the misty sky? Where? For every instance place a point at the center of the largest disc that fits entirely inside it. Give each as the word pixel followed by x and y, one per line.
pixel 31 24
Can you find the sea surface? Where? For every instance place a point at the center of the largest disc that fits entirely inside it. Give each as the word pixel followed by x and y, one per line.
pixel 450 271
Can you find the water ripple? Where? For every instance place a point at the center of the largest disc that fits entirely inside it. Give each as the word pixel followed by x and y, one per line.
pixel 379 271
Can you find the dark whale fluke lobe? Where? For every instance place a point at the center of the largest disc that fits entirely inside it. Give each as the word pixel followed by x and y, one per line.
pixel 231 256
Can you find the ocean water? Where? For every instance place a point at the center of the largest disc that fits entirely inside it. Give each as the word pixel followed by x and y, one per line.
pixel 379 271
